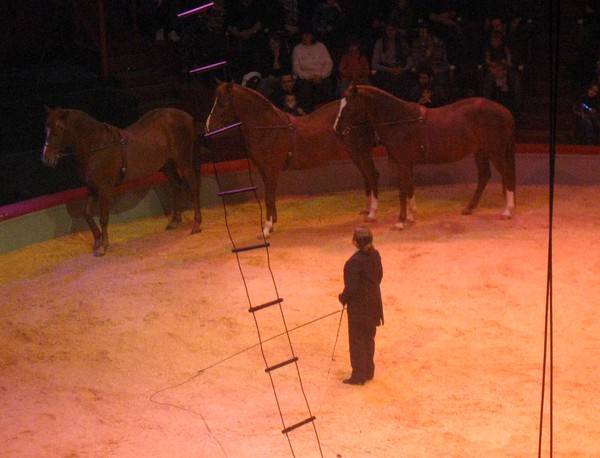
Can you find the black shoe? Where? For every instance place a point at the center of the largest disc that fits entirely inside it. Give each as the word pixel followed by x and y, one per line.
pixel 353 381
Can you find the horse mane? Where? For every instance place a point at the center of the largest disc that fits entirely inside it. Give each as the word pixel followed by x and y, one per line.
pixel 259 101
pixel 385 103
pixel 64 113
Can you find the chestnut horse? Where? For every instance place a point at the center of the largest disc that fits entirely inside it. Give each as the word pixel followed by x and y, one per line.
pixel 277 141
pixel 106 156
pixel 413 134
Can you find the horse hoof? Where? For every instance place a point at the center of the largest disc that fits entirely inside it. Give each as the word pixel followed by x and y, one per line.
pixel 506 216
pixel 370 219
pixel 467 211
pixel 196 229
pixel 399 226
pixel 172 225
pixel 99 253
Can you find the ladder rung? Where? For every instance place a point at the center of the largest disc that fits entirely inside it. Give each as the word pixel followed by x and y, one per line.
pixel 251 247
pixel 195 10
pixel 208 67
pixel 223 129
pixel 237 191
pixel 284 363
pixel 297 425
pixel 265 305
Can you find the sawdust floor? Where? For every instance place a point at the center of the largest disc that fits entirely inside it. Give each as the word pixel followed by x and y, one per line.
pixel 150 351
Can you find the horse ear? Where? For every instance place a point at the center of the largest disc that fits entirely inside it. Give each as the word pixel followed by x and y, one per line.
pixel 48 109
pixel 352 90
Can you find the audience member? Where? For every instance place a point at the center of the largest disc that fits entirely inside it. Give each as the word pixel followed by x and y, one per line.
pixel 429 50
pixel 275 60
pixel 392 64
pixel 426 92
pixel 329 22
pixel 444 17
pixel 312 65
pixel 203 38
pixel 353 68
pixel 502 87
pixel 291 27
pixel 287 85
pixel 242 24
pixel 497 59
pixel 403 16
pixel 248 23
pixel 587 123
pixel 497 50
pixel 366 19
pixel 290 105
pixel 161 17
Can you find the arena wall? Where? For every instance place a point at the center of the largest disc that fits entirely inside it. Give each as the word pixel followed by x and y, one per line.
pixel 53 216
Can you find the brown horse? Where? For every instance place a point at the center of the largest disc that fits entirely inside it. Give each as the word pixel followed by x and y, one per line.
pixel 413 134
pixel 277 141
pixel 163 139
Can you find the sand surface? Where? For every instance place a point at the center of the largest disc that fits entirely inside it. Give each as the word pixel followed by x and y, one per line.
pixel 150 351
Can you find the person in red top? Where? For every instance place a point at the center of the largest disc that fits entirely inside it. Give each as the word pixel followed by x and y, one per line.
pixel 353 68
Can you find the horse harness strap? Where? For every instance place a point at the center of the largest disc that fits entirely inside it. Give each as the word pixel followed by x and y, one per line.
pixel 421 119
pixel 122 141
pixel 290 154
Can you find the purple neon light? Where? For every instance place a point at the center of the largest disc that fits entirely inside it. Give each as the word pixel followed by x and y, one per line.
pixel 222 129
pixel 209 67
pixel 195 10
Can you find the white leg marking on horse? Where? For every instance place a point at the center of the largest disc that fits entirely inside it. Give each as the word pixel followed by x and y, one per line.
pixel 373 205
pixel 267 228
pixel 399 225
pixel 510 204
pixel 412 209
pixel 342 105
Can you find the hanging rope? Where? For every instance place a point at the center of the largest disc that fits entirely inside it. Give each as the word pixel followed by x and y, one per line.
pixel 548 365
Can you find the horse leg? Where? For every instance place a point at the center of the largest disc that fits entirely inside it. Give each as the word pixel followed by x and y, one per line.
pixel 371 177
pixel 507 171
pixel 406 190
pixel 170 171
pixel 362 159
pixel 411 211
pixel 270 182
pixel 192 177
pixel 104 202
pixel 483 176
pixel 88 215
pixel 510 204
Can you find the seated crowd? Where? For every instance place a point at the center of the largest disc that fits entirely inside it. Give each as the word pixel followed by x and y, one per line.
pixel 430 52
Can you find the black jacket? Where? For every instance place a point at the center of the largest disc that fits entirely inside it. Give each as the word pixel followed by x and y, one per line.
pixel 362 276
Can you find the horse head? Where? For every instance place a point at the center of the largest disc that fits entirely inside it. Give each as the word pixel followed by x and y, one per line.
pixel 222 113
pixel 54 146
pixel 351 114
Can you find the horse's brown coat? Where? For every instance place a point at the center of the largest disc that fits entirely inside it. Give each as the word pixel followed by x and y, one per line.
pixel 163 139
pixel 413 134
pixel 277 141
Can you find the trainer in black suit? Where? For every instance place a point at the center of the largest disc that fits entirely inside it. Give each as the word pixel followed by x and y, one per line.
pixel 362 296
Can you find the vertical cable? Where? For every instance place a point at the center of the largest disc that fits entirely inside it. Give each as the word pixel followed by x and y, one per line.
pixel 548 364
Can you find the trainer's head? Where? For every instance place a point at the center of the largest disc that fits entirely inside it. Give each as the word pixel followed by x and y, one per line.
pixel 362 238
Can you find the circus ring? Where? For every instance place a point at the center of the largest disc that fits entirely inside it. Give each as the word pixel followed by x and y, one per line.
pixel 149 351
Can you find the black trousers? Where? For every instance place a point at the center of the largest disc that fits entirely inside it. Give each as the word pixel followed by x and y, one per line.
pixel 362 350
